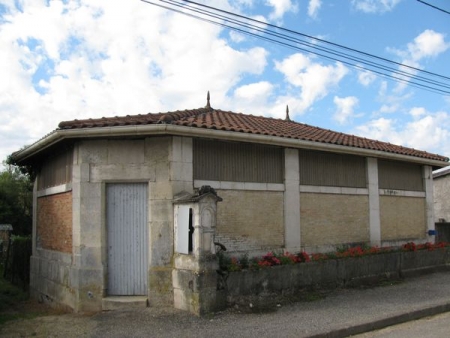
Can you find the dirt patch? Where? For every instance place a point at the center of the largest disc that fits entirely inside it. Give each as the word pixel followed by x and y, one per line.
pixel 33 319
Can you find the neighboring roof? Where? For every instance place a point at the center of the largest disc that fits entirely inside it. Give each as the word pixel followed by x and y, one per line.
pixel 441 172
pixel 216 119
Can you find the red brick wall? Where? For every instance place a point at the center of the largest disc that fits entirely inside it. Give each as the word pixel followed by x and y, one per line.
pixel 54 222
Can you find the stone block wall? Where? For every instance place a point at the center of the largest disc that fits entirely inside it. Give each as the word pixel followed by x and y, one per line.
pixel 403 218
pixel 69 264
pixel 441 192
pixel 54 222
pixel 50 278
pixel 250 220
pixel 264 285
pixel 333 219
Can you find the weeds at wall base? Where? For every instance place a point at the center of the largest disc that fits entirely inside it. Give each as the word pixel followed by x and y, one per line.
pixel 10 297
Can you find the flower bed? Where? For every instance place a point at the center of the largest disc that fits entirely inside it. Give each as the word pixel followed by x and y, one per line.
pixel 288 274
pixel 285 258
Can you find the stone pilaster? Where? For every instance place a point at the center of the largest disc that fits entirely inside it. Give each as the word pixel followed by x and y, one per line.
pixel 292 233
pixel 374 202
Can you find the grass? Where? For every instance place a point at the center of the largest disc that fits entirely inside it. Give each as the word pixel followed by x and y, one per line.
pixel 12 300
pixel 15 303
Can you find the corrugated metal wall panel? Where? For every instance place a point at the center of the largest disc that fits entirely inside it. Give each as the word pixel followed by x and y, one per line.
pixel 237 162
pixel 400 176
pixel 329 169
pixel 126 217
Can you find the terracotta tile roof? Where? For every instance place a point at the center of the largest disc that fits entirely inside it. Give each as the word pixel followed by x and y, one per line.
pixel 236 122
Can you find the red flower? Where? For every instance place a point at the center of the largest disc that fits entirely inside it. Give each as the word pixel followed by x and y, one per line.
pixel 302 257
pixel 411 246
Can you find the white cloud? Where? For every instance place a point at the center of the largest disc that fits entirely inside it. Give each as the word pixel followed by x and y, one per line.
pixel 391 101
pixel 393 107
pixel 417 112
pixel 427 44
pixel 254 92
pixel 344 108
pixel 280 7
pixel 247 3
pixel 89 59
pixel 236 37
pixel 366 78
pixel 375 6
pixel 426 131
pixel 254 98
pixel 314 79
pixel 313 7
pixel 380 129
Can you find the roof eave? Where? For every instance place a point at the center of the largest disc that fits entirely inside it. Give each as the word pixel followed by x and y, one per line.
pixel 169 129
pixel 441 172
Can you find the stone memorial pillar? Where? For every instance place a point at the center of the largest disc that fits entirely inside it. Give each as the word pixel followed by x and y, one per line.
pixel 195 265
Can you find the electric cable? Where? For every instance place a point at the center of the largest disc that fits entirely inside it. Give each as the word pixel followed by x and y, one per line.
pixel 435 7
pixel 362 61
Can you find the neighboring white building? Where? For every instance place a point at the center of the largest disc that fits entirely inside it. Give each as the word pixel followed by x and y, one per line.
pixel 441 193
pixel 441 181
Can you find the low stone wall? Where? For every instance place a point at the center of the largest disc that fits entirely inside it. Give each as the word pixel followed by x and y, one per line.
pixel 332 273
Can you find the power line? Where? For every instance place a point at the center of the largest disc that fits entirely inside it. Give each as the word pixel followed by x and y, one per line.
pixel 435 7
pixel 289 38
pixel 302 34
pixel 400 76
pixel 311 45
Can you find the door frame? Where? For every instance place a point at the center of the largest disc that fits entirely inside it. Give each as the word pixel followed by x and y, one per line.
pixel 105 234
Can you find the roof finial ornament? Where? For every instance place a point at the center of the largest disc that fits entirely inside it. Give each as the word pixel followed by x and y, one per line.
pixel 287 114
pixel 208 104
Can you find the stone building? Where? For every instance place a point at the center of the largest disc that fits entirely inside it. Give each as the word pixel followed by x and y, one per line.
pixel 441 191
pixel 118 210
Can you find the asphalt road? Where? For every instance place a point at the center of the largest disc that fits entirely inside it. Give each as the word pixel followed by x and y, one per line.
pixel 338 314
pixel 430 327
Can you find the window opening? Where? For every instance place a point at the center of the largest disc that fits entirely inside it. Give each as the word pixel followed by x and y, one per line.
pixel 191 232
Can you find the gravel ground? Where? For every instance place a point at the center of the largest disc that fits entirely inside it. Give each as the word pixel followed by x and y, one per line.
pixel 339 310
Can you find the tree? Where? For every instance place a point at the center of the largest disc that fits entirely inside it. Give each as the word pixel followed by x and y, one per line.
pixel 16 199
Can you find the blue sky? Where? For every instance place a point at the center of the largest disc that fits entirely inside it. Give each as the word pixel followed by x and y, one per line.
pixel 64 60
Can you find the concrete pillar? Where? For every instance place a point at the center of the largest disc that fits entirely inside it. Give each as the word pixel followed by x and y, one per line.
pixel 428 186
pixel 34 224
pixel 86 275
pixel 292 233
pixel 158 153
pixel 374 202
pixel 172 158
pixel 181 167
